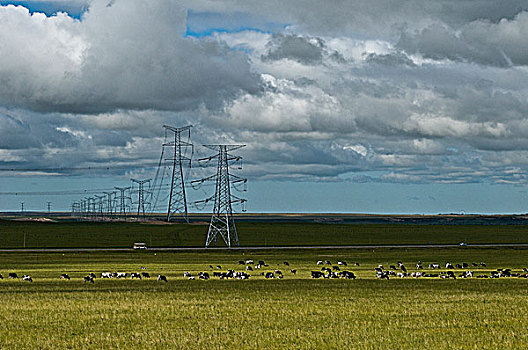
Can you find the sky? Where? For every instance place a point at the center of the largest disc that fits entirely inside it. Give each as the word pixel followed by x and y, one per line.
pixel 344 106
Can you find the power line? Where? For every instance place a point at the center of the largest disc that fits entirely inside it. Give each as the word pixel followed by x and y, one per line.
pixel 96 167
pixel 62 193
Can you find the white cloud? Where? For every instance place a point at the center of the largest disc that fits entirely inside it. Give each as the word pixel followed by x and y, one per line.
pixel 415 92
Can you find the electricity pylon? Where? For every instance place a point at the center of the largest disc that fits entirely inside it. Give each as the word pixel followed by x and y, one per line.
pixel 122 203
pixel 141 196
pixel 99 205
pixel 177 196
pixel 109 203
pixel 222 221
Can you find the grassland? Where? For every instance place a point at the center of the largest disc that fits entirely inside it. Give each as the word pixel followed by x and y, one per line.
pixel 16 234
pixel 294 313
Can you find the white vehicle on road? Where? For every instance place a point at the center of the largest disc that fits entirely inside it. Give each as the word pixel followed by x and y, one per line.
pixel 140 246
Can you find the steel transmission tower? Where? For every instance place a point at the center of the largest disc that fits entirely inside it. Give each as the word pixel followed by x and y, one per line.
pixel 109 203
pixel 177 196
pixel 222 221
pixel 122 202
pixel 141 195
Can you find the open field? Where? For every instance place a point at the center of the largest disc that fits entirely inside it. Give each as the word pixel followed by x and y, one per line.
pixel 296 312
pixel 17 234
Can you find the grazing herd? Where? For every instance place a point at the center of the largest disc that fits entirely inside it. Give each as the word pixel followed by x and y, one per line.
pixel 258 269
pixel 452 271
pixel 91 277
pixel 334 271
pixel 328 270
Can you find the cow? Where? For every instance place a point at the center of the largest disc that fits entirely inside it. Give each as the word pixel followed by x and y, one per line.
pixel 327 262
pixel 92 275
pixel 88 279
pixel 242 276
pixel 192 278
pixel 12 275
pixel 162 278
pixel 293 271
pixel 65 276
pixel 286 263
pixel 419 266
pixel 135 275
pixel 186 274
pixel 347 275
pixel 250 262
pixel 261 262
pixel 240 262
pixel 482 264
pixel 342 263
pixel 392 267
pixel 336 268
pixel 1 277
pixel 203 275
pixel 269 275
pixel 319 262
pixel 27 278
pixel 249 268
pixel 403 268
pixel 219 267
pixel 382 275
pixel 505 273
pixel 145 274
pixel 465 265
pixel 449 266
pixel 317 274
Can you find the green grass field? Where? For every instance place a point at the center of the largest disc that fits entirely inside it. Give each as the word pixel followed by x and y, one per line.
pixel 96 234
pixel 296 312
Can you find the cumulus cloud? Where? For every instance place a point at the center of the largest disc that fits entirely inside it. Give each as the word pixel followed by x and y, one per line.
pixel 130 55
pixel 434 92
pixel 481 41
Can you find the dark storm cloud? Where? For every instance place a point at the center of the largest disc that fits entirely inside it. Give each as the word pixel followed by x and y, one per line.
pixel 501 44
pixel 295 48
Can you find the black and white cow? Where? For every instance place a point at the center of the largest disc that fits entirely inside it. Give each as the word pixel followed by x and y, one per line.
pixel 27 278
pixel 162 278
pixel 88 279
